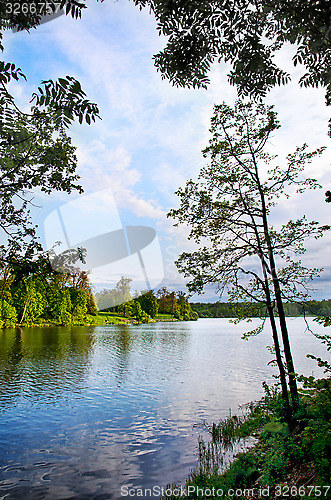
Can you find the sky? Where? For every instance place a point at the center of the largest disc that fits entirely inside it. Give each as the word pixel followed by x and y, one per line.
pixel 149 143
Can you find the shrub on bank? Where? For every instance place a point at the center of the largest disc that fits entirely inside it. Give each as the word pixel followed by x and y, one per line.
pixel 287 455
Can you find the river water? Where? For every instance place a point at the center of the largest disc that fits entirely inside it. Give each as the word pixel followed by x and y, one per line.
pixel 88 412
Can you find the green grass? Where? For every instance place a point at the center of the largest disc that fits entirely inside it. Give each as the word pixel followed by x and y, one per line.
pixel 285 457
pixel 102 318
pixel 112 318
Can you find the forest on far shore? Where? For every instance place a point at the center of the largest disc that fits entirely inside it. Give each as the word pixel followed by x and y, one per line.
pixel 231 310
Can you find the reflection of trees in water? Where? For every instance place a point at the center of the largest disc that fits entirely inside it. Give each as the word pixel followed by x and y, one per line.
pixel 44 363
pixel 129 345
pixel 44 360
pixel 123 343
pixel 174 339
pixel 15 354
pixel 123 340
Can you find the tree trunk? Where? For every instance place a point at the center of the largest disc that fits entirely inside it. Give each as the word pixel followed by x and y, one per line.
pixel 285 336
pixel 279 360
pixel 25 306
pixel 279 301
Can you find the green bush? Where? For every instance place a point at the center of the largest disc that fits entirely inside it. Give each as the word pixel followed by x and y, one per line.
pixel 243 472
pixel 79 306
pixel 8 315
pixel 60 307
pixel 194 316
pixel 282 448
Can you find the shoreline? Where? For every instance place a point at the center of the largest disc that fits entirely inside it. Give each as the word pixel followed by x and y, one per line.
pixel 125 321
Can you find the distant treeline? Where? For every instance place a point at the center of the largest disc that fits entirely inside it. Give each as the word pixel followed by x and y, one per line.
pixel 36 294
pixel 145 304
pixel 228 310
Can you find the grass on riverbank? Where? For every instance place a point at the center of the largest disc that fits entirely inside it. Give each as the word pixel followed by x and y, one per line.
pixel 102 318
pixel 288 461
pixel 114 318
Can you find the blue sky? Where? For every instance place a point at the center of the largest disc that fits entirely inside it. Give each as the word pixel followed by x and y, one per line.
pixel 150 138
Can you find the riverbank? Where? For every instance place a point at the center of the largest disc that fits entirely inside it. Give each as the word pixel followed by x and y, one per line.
pixel 115 319
pixel 310 308
pixel 288 461
pixel 133 399
pixel 102 318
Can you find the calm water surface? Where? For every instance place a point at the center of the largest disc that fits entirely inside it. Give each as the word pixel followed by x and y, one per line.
pixel 85 411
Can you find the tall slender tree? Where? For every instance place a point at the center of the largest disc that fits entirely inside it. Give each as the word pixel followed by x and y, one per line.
pixel 228 211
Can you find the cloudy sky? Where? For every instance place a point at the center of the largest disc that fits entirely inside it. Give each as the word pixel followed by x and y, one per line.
pixel 150 139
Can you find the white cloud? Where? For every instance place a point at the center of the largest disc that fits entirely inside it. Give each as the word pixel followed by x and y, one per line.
pixel 150 139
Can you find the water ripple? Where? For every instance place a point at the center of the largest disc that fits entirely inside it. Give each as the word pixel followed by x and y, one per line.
pixel 87 410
